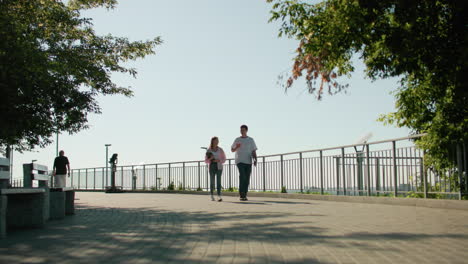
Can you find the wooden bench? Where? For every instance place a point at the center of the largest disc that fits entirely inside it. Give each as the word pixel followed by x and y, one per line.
pixel 61 200
pixel 21 207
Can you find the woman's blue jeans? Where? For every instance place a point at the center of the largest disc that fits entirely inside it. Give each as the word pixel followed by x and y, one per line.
pixel 215 172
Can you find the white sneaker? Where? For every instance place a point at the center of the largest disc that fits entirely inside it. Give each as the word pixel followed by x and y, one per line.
pixel 212 198
pixel 219 198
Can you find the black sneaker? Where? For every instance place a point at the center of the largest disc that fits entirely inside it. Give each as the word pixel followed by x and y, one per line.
pixel 245 199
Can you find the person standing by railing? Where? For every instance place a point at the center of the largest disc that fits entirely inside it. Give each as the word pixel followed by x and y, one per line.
pixel 215 157
pixel 61 164
pixel 246 151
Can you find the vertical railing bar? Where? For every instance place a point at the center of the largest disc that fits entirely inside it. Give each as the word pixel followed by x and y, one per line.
pixel 282 172
pixel 206 175
pixel 199 176
pixel 395 175
pixel 301 173
pixel 71 179
pixel 183 175
pixel 144 177
pixel 465 166
pixel 460 169
pixel 230 175
pixel 368 171
pixel 79 176
pixel 344 170
pixel 338 169
pixel 156 176
pixel 377 175
pixel 321 172
pixel 264 174
pixel 121 177
pixel 169 175
pixel 94 179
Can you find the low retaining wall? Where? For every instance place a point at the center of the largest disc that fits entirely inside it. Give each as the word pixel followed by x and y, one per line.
pixel 431 203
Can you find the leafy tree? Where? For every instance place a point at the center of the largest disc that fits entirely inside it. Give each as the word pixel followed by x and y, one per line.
pixel 53 66
pixel 422 42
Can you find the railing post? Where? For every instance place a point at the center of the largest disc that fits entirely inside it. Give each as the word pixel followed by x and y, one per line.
pixel 134 177
pixel 337 175
pixel 156 176
pixel 264 174
pixel 102 177
pixel 321 172
pixel 282 173
pixel 465 165
pixel 144 177
pixel 71 179
pixel 423 175
pixel 377 175
pixel 122 177
pixel 460 170
pixel 395 169
pixel 230 176
pixel 301 175
pixel 94 179
pixel 169 175
pixel 199 175
pixel 368 171
pixel 86 182
pixel 183 175
pixel 79 176
pixel 343 167
pixel 206 175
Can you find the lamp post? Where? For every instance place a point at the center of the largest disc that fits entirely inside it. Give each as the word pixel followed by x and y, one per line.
pixel 107 159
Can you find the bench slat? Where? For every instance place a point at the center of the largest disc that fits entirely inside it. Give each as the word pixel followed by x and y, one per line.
pixel 4 162
pixel 4 175
pixel 40 177
pixel 39 167
pixel 62 189
pixel 22 190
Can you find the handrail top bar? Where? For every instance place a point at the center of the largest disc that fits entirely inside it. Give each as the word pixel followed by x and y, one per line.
pixel 347 146
pixel 272 155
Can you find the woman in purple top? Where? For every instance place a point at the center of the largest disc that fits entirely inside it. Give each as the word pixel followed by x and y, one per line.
pixel 215 157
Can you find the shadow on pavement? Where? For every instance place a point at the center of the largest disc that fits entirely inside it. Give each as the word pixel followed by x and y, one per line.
pixel 147 235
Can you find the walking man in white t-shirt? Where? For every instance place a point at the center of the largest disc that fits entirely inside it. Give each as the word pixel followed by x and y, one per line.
pixel 246 152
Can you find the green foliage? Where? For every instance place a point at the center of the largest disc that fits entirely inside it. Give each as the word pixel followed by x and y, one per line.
pixel 232 189
pixel 422 42
pixel 180 187
pixel 283 189
pixel 310 192
pixel 199 189
pixel 171 186
pixel 53 66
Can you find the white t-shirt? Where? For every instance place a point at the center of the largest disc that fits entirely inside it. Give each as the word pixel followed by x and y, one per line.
pixel 244 153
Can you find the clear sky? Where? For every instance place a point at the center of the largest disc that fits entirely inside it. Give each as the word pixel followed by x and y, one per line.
pixel 216 70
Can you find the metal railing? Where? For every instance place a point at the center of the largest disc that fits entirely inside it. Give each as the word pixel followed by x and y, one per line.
pixel 385 168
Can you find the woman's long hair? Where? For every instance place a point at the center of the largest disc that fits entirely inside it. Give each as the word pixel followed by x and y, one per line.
pixel 211 142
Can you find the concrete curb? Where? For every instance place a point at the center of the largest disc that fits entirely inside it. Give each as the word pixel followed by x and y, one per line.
pixel 419 202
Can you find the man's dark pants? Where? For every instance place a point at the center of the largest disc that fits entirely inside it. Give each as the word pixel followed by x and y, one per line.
pixel 244 178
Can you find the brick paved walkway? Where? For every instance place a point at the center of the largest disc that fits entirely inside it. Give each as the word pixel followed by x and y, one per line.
pixel 175 228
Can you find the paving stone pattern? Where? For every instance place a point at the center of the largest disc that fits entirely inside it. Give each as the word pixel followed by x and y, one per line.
pixel 178 228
